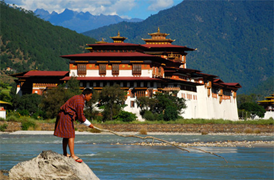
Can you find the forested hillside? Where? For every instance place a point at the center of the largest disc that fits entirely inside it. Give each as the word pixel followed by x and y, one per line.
pixel 234 39
pixel 28 42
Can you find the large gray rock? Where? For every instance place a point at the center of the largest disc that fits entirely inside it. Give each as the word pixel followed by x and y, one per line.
pixel 50 165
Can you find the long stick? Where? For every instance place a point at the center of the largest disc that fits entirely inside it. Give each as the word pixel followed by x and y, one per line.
pixel 153 138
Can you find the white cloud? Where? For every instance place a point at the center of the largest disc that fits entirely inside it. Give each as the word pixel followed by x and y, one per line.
pixel 95 7
pixel 157 5
pixel 123 8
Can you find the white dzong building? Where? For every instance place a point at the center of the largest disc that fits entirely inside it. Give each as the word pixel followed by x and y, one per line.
pixel 142 70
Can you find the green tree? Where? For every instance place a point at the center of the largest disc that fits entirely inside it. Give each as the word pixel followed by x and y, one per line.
pixel 73 86
pixel 165 100
pixel 5 97
pixel 243 98
pixel 170 113
pixel 125 116
pixel 53 99
pixel 29 102
pixel 146 104
pixel 163 105
pixel 90 110
pixel 111 99
pixel 253 108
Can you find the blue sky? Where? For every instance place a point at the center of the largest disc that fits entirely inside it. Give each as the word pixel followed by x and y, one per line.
pixel 123 8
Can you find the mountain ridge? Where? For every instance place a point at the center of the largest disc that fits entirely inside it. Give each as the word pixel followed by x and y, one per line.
pixel 80 21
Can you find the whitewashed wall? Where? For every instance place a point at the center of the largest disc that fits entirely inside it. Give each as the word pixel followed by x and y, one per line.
pixel 269 114
pixel 210 108
pixel 3 114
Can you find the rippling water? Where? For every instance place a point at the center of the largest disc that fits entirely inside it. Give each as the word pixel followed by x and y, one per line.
pixel 125 162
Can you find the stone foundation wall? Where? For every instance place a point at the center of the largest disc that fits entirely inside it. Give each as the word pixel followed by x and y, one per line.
pixel 172 128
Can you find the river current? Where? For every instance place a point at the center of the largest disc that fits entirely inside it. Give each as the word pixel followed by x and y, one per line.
pixel 127 162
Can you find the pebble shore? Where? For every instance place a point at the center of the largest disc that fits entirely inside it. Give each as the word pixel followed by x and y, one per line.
pixel 228 143
pixel 248 144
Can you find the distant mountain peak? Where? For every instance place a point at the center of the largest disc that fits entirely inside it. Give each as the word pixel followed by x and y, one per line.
pixel 81 21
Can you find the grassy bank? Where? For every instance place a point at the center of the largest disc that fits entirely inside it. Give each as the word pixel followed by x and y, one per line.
pixel 178 121
pixel 26 119
pixel 196 121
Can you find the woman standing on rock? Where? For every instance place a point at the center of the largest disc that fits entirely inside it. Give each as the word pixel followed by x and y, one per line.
pixel 64 126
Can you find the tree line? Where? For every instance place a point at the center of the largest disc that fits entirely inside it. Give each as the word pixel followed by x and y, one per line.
pixel 105 105
pixel 108 103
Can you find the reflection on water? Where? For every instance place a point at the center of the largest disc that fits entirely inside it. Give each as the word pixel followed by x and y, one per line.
pixel 125 162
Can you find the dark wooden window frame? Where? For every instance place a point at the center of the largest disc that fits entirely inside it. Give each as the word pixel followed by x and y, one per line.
pixel 81 69
pixel 115 69
pixel 136 69
pixel 102 69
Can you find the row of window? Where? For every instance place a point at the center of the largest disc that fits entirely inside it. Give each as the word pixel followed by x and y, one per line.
pixel 81 69
pixel 114 51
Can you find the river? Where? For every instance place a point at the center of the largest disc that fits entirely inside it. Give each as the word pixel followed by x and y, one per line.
pixel 127 162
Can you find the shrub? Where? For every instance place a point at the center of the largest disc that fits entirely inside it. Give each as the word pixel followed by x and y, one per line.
pixel 28 124
pixel 99 118
pixel 125 116
pixel 149 116
pixel 12 118
pixel 2 119
pixel 3 127
pixel 24 112
pixel 158 117
pixel 257 131
pixel 204 132
pixel 39 115
pixel 248 130
pixel 13 113
pixel 143 131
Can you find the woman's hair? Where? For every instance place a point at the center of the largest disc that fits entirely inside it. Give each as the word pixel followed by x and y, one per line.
pixel 87 91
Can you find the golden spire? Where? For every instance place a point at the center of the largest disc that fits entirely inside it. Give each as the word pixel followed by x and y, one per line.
pixel 158 30
pixel 118 38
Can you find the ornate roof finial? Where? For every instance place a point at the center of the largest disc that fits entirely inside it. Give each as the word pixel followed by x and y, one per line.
pixel 158 30
pixel 118 38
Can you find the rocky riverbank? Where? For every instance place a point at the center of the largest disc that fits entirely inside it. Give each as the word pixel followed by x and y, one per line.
pixel 158 128
pixel 228 143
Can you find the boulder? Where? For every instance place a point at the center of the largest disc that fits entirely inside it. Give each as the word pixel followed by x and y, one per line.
pixel 50 165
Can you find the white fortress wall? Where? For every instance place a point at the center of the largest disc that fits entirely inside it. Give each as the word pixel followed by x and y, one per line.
pixel 211 108
pixel 230 109
pixel 191 110
pixel 204 106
